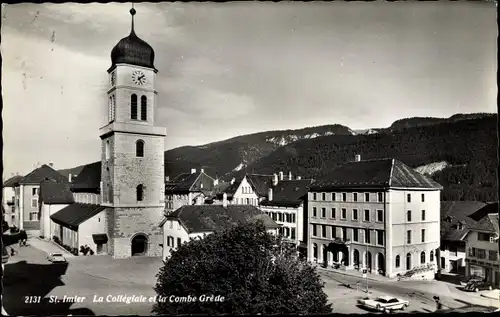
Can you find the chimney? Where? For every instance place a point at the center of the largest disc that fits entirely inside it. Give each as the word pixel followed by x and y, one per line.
pixel 281 176
pixel 275 179
pixel 193 171
pixel 216 182
pixel 202 170
pixel 167 178
pixel 299 177
pixel 357 158
pixel 51 165
pixel 290 175
pixel 69 177
pixel 224 200
pixel 233 180
pixel 270 194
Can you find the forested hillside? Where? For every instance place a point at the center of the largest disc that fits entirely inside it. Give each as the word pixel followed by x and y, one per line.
pixel 469 145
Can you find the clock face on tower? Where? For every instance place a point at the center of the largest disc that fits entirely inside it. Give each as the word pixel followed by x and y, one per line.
pixel 138 78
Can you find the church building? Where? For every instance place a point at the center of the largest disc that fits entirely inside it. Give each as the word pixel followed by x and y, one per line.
pixel 132 166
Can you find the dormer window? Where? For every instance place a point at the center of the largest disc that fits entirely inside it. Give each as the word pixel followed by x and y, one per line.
pixel 460 226
pixel 447 219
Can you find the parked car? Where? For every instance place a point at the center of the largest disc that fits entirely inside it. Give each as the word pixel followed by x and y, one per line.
pixel 56 258
pixel 472 278
pixel 476 286
pixel 384 303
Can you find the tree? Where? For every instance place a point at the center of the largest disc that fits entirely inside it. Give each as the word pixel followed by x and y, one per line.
pixel 253 270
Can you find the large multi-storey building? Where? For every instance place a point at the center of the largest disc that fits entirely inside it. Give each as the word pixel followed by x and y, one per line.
pixel 10 187
pixel 376 214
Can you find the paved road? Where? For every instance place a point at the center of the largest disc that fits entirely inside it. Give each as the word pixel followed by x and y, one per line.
pixel 419 293
pixel 29 275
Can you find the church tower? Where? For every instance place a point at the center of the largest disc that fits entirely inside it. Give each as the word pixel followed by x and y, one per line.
pixel 132 175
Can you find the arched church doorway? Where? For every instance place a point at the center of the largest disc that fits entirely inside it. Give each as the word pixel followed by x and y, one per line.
pixel 139 244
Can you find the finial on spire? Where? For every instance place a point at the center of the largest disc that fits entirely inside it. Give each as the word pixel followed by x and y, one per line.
pixel 132 12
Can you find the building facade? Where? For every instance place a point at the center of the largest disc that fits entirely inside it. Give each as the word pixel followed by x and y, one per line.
pixel 27 196
pixel 188 189
pixel 287 206
pixel 482 250
pixel 251 189
pixel 10 187
pixel 455 224
pixel 53 198
pixel 375 214
pixel 132 175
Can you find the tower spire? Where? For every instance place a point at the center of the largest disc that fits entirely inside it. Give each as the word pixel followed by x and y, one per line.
pixel 132 12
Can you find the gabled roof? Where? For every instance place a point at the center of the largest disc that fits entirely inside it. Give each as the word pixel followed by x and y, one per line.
pixel 13 181
pixel 190 182
pixel 89 179
pixel 289 193
pixel 75 214
pixel 260 183
pixel 208 218
pixel 232 188
pixel 489 208
pixel 41 174
pixel 380 173
pixel 454 212
pixel 55 193
pixel 488 223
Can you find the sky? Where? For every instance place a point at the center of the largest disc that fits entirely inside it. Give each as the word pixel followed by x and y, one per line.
pixel 227 69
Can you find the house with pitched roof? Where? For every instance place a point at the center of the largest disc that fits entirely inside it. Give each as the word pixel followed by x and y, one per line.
pixel 53 197
pixel 455 223
pixel 251 189
pixel 378 214
pixel 79 219
pixel 482 244
pixel 192 221
pixel 9 200
pixel 28 195
pixel 188 189
pixel 286 204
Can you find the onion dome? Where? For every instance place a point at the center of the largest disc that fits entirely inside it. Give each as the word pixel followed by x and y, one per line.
pixel 132 50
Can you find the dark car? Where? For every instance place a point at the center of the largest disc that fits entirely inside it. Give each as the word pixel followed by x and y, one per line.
pixel 472 278
pixel 476 286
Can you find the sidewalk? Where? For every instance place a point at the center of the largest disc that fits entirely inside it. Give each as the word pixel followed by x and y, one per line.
pixel 355 273
pixel 494 294
pixel 48 247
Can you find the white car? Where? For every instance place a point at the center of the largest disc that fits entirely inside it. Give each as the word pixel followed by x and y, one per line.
pixel 56 258
pixel 384 303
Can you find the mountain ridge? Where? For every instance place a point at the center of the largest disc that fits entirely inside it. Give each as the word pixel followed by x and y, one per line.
pixel 416 141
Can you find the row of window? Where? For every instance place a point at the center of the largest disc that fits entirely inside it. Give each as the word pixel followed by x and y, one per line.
pixel 343 233
pixel 408 259
pixel 287 232
pixel 343 196
pixel 343 214
pixel 409 218
pixel 482 236
pixel 409 236
pixel 133 108
pixel 283 217
pixel 356 197
pixel 483 254
pixel 246 201
pixel 246 190
pixel 170 242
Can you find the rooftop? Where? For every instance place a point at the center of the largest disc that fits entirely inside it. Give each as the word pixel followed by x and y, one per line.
pixel 379 173
pixel 208 218
pixel 289 193
pixel 75 214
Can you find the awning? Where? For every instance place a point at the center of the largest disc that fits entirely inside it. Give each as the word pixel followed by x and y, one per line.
pixel 100 238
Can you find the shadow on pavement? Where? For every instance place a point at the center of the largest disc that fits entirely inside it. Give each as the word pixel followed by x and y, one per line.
pixel 449 278
pixel 24 282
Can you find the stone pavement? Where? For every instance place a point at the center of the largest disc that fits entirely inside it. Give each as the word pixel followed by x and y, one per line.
pixel 48 246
